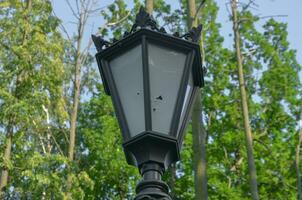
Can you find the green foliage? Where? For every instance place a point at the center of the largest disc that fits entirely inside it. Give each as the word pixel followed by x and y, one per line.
pixel 101 154
pixel 31 72
pixel 35 80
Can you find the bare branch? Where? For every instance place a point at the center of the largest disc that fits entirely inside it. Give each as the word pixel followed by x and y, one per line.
pixel 57 145
pixel 62 27
pixel 264 17
pixel 238 163
pixel 42 144
pixel 201 5
pixel 119 21
pixel 227 7
pixel 76 15
pixel 272 16
pixel 77 5
pixel 249 5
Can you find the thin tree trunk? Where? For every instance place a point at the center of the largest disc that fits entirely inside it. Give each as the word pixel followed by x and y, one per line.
pixel 298 155
pixel 199 133
pixel 7 156
pixel 149 6
pixel 245 112
pixel 74 113
pixel 85 10
pixel 76 96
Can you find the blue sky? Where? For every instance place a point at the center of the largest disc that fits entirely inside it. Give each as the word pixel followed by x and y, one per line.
pixel 291 8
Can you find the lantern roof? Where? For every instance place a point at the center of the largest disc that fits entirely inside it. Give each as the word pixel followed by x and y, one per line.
pixel 145 26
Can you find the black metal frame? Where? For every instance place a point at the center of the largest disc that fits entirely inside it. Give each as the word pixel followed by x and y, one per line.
pixel 151 148
pixel 181 95
pixel 186 117
pixel 147 101
pixel 143 37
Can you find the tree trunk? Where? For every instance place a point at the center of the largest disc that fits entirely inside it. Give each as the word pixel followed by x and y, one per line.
pixel 245 112
pixel 74 113
pixel 7 156
pixel 76 99
pixel 199 133
pixel 298 155
pixel 149 6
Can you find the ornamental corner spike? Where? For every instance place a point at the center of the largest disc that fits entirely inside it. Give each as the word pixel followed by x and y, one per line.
pixel 194 34
pixel 99 42
pixel 144 19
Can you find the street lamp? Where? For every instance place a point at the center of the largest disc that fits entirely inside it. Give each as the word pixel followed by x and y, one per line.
pixel 152 78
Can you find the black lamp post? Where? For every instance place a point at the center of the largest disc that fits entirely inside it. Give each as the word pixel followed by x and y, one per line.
pixel 152 78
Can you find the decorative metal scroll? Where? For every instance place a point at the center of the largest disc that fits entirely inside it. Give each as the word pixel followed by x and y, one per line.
pixel 145 20
pixel 99 42
pixel 142 20
pixel 193 34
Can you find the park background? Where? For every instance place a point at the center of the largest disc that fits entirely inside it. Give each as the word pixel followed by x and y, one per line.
pixel 59 138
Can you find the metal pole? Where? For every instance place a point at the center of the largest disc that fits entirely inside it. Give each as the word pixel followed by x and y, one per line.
pixel 152 187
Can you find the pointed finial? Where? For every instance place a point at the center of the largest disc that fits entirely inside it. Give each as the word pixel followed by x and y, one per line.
pixel 144 19
pixel 195 33
pixel 99 42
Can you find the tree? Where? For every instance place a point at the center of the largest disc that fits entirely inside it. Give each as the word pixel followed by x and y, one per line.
pixel 298 157
pixel 79 60
pixel 31 73
pixel 245 112
pixel 38 87
pixel 101 154
pixel 9 134
pixel 199 133
pixel 279 89
pixel 149 6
